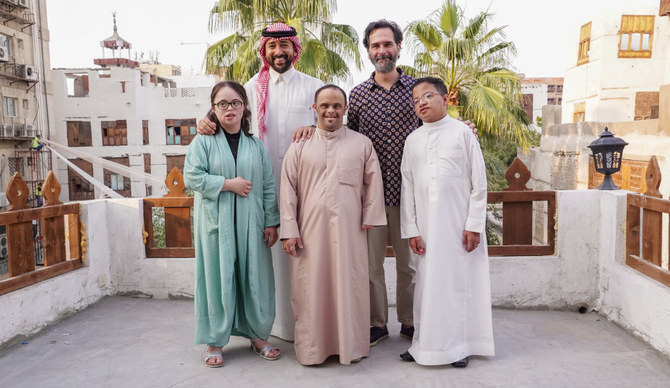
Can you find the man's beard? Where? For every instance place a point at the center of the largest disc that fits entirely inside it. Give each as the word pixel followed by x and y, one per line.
pixel 386 67
pixel 288 61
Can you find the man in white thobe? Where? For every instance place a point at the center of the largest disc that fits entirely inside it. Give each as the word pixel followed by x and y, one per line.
pixel 443 213
pixel 280 98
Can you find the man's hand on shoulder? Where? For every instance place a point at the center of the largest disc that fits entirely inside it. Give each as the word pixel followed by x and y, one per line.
pixel 206 127
pixel 471 125
pixel 303 133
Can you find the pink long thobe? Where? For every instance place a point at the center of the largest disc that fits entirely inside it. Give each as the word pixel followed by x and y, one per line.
pixel 331 185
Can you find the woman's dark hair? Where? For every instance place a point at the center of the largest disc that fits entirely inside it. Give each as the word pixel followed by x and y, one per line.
pixel 239 89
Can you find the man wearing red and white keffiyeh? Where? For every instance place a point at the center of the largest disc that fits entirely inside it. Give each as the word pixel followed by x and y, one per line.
pixel 278 54
pixel 280 99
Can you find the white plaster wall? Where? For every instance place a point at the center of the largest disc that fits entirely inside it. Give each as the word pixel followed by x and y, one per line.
pixel 31 309
pixel 133 272
pixel 565 280
pixel 628 297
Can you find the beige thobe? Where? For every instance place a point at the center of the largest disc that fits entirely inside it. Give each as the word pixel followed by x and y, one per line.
pixel 331 186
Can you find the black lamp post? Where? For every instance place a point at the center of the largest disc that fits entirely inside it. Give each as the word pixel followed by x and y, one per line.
pixel 607 151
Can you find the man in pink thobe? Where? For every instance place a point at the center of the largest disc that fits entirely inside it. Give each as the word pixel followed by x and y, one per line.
pixel 331 193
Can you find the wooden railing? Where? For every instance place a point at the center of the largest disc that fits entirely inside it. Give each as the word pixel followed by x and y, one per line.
pixel 177 205
pixel 644 228
pixel 63 250
pixel 517 215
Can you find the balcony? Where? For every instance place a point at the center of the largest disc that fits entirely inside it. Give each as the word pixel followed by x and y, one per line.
pixel 127 320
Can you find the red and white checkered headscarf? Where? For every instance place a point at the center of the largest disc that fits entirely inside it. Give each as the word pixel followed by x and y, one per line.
pixel 277 31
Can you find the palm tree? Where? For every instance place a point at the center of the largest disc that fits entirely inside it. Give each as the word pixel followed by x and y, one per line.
pixel 473 61
pixel 327 47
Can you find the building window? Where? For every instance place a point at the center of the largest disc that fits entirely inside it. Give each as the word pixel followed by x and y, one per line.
pixel 114 133
pixel 636 36
pixel 145 132
pixel 16 165
pixel 646 105
pixel 175 161
pixel 578 113
pixel 79 134
pixel 25 104
pixel 19 43
pixel 79 188
pixel 551 88
pixel 551 101
pixel 584 44
pixel 147 169
pixel 559 88
pixel 179 131
pixel 560 101
pixel 6 44
pixel 117 182
pixel 10 106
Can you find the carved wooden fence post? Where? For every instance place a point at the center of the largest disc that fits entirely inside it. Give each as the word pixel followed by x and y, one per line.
pixel 517 216
pixel 652 221
pixel 54 227
pixel 19 235
pixel 177 220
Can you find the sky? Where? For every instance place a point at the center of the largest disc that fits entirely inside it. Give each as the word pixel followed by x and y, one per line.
pixel 178 32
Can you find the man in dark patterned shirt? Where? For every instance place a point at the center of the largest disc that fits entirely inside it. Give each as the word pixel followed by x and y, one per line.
pixel 381 108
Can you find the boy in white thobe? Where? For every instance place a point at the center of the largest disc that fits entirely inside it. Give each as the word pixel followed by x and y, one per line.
pixel 443 213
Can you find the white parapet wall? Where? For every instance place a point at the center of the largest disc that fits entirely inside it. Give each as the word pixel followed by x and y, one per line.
pixel 588 270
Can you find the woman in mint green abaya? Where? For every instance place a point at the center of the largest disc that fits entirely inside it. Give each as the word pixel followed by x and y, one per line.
pixel 236 218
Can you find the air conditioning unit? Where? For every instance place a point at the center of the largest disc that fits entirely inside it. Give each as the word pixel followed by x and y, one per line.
pixel 14 2
pixel 22 3
pixel 4 54
pixel 30 132
pixel 20 71
pixel 31 72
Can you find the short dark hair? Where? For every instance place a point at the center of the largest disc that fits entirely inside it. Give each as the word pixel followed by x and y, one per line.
pixel 239 89
pixel 330 86
pixel 383 23
pixel 437 82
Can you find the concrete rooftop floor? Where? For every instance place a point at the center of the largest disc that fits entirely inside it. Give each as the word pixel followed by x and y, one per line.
pixel 128 342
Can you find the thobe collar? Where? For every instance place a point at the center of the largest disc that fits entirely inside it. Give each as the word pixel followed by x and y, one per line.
pixel 331 135
pixel 275 77
pixel 437 124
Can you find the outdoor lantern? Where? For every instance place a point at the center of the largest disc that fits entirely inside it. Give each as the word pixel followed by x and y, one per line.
pixel 607 151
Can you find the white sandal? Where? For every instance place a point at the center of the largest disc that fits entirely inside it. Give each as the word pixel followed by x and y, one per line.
pixel 208 356
pixel 265 351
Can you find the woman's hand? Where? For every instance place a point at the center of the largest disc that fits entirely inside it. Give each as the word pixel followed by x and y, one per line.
pixel 270 235
pixel 239 186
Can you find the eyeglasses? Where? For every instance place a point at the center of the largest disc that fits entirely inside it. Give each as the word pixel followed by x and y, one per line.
pixel 223 104
pixel 426 96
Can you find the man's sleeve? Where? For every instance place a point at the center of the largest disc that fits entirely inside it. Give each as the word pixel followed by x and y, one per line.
pixel 288 196
pixel 408 226
pixel 373 190
pixel 476 221
pixel 352 114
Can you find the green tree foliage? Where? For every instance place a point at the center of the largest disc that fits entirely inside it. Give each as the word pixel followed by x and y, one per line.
pixel 474 61
pixel 328 48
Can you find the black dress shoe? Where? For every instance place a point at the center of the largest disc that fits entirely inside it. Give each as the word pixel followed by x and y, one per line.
pixel 461 363
pixel 378 334
pixel 407 357
pixel 407 332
